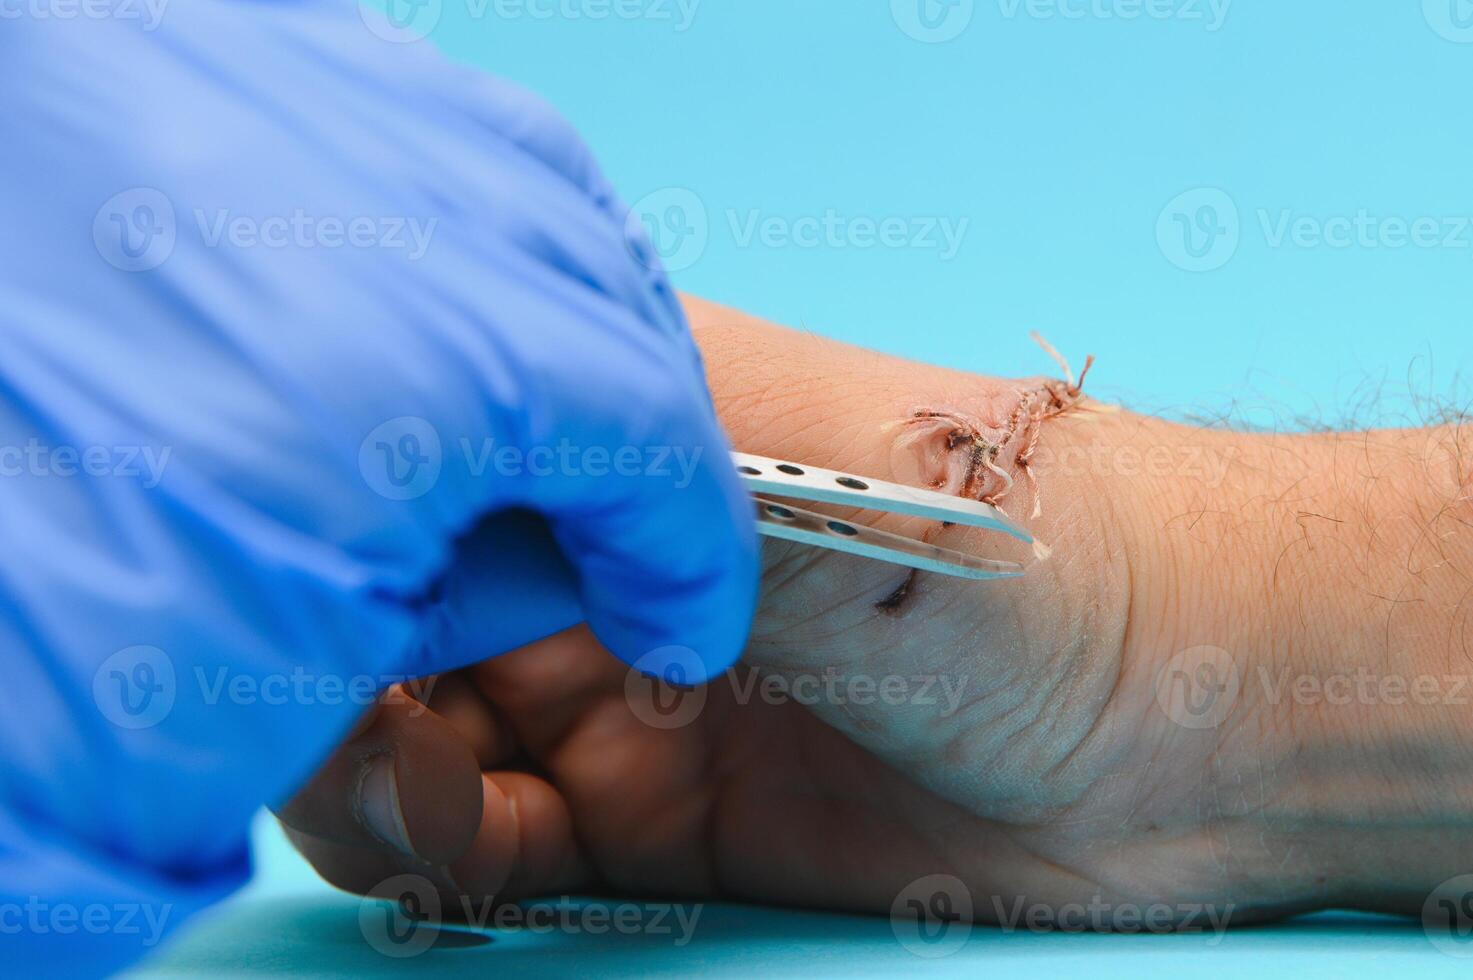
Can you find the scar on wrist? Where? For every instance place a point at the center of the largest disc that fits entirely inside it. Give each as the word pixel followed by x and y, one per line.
pixel 985 449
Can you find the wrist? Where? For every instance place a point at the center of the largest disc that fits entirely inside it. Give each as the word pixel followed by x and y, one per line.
pixel 1318 584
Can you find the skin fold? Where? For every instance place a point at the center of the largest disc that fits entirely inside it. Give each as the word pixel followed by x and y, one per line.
pixel 1037 739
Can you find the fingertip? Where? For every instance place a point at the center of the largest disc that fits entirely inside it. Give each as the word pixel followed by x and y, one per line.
pixel 526 844
pixel 438 799
pixel 486 863
pixel 684 628
pixel 679 648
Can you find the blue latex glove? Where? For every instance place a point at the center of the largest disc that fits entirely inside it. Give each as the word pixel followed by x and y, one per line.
pixel 287 310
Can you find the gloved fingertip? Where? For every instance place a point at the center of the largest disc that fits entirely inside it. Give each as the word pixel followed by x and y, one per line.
pixel 683 642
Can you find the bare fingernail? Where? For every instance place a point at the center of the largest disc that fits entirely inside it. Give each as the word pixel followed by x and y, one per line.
pixel 378 805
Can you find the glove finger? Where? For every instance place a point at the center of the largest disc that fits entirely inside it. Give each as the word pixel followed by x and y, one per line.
pixel 614 443
pixel 667 558
pixel 509 585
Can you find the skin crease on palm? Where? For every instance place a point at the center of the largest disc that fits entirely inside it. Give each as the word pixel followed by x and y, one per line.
pixel 1026 752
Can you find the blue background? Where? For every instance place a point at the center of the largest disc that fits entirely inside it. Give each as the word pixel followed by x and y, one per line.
pixel 1060 141
pixel 1065 143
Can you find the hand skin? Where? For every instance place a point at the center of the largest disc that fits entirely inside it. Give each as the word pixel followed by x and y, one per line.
pixel 1327 573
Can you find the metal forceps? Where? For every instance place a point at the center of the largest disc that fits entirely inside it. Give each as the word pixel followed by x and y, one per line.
pixel 767 478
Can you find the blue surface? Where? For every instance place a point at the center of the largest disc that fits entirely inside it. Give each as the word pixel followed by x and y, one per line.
pixel 1060 142
pixel 288 921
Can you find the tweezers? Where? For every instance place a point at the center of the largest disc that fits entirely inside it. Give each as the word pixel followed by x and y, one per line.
pixel 767 478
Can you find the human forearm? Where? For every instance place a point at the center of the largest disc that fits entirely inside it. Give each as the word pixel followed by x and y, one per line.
pixel 1323 575
pixel 1335 569
pixel 1046 743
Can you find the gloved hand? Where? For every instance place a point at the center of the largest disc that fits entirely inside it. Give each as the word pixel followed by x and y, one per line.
pixel 287 312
